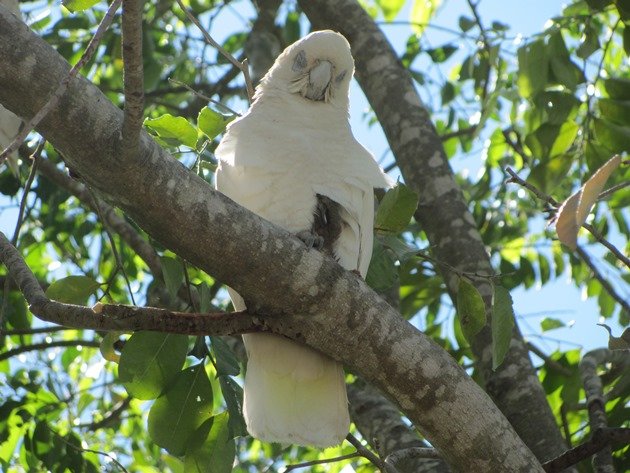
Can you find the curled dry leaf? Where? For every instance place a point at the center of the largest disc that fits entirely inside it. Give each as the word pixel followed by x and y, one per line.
pixel 573 211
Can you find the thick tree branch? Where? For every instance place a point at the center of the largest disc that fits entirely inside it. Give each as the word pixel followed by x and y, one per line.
pixel 56 94
pixel 273 270
pixel 602 460
pixel 443 213
pixel 380 424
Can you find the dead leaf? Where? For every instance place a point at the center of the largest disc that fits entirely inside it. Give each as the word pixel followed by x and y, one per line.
pixel 573 211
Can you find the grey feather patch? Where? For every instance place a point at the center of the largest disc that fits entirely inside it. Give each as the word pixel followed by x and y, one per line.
pixel 300 63
pixel 340 77
pixel 327 224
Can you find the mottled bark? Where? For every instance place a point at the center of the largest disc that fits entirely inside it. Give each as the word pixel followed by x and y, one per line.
pixel 443 213
pixel 273 270
pixel 595 400
pixel 380 424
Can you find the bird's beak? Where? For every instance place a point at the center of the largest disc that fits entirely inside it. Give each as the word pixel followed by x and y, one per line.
pixel 319 79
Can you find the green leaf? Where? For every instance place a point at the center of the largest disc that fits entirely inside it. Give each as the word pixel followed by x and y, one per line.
pixel 233 395
pixel 72 289
pixel 173 130
pixel 181 410
pixel 563 69
pixel 403 251
pixel 173 273
pixel 150 361
pixel 216 454
pixel 227 364
pixel 78 5
pixel 9 184
pixel 390 8
pixel 421 13
pixel 212 123
pixel 589 44
pixel 549 323
pixel 396 209
pixel 15 313
pixel 205 298
pixel 598 5
pixel 470 309
pixel 382 273
pixel 614 137
pixel 466 23
pixel 626 40
pixel 502 324
pixel 533 68
pixel 617 88
pixel 617 111
pixel 442 53
pixel 549 174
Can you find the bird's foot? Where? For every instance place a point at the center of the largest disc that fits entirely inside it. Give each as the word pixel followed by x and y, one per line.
pixel 310 239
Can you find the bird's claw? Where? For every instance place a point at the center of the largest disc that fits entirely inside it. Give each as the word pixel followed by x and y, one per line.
pixel 311 240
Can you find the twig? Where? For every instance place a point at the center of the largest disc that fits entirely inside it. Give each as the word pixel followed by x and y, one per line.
pixel 365 453
pixel 321 462
pixel 107 214
pixel 44 346
pixel 555 204
pixel 613 249
pixel 457 133
pixel 112 243
pixel 551 363
pixel 16 233
pixel 109 416
pixel 199 94
pixel 608 192
pixel 622 301
pixel 485 48
pixel 241 65
pixel 35 331
pixel 516 179
pixel 81 449
pixel 600 439
pixel 61 89
pixel 120 317
pixel 133 76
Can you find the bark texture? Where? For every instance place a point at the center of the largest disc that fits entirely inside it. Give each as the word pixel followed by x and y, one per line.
pixel 271 268
pixel 442 212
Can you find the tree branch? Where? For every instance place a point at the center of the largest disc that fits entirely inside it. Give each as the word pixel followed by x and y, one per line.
pixel 443 213
pixel 60 90
pixel 240 65
pixel 272 269
pixel 133 75
pixel 46 345
pixel 595 398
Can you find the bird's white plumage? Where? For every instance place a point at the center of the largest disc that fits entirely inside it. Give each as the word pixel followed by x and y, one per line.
pixel 293 143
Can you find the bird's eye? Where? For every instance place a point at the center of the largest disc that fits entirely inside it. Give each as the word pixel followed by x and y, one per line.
pixel 340 77
pixel 300 62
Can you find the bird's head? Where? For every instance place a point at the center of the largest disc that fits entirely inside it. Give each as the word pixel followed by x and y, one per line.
pixel 318 68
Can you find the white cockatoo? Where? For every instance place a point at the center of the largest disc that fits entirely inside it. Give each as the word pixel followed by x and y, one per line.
pixel 9 122
pixel 293 160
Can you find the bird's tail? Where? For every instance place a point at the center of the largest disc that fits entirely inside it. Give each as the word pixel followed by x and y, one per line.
pixel 293 394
